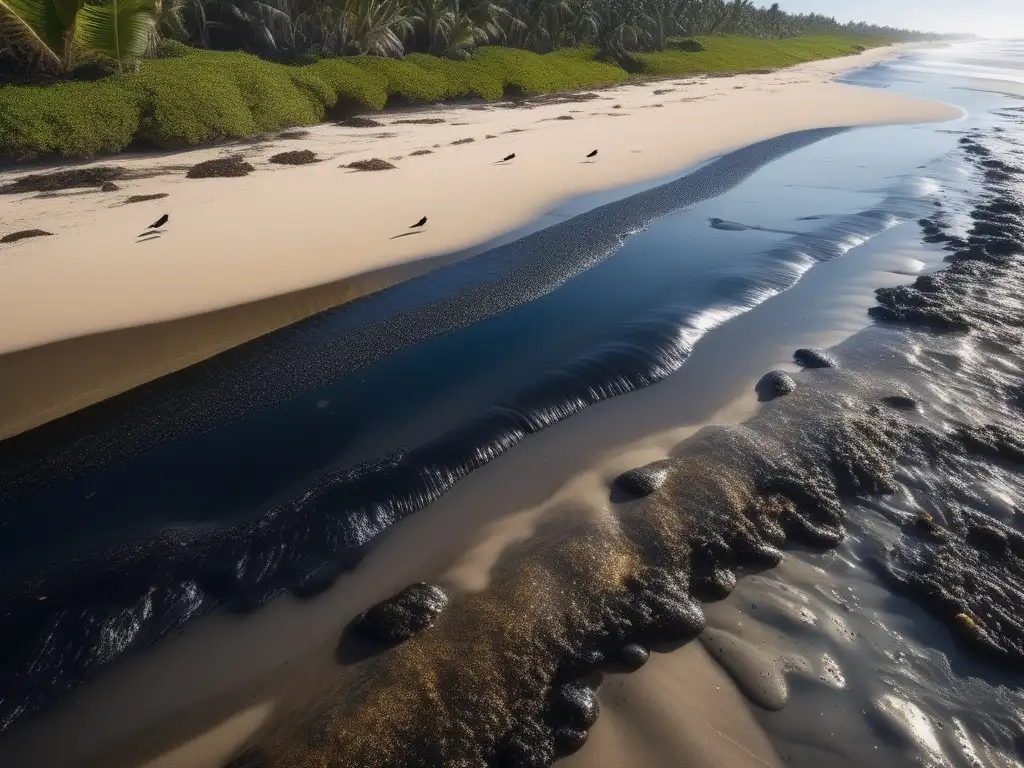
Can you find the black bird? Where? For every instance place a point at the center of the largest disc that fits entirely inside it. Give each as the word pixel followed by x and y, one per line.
pixel 593 154
pixel 509 157
pixel 159 222
pixel 419 223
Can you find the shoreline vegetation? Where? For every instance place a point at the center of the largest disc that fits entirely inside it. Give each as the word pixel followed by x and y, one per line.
pixel 202 97
pixel 81 78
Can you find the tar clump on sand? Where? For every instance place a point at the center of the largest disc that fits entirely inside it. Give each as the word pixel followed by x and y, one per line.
pixel 643 481
pixel 358 122
pixel 296 157
pixel 223 168
pixel 145 198
pixel 56 181
pixel 814 358
pixel 373 164
pixel 775 384
pixel 413 609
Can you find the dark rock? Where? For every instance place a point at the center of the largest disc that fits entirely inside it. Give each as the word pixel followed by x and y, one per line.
pixel 569 740
pixel 775 384
pixel 644 480
pixel 632 656
pixel 410 611
pixel 574 706
pixel 109 186
pixel 814 358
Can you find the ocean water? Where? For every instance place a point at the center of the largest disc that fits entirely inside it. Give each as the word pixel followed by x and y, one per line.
pixel 275 466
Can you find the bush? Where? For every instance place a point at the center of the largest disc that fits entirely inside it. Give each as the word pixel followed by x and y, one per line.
pixel 70 119
pixel 740 54
pixel 171 49
pixel 186 97
pixel 216 95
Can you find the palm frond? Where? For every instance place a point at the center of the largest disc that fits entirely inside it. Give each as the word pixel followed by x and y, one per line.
pixel 119 30
pixel 42 26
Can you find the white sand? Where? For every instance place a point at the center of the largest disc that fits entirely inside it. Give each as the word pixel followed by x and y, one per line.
pixel 325 229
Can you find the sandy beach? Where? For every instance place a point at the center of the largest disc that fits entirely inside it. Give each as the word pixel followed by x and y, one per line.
pixel 814 663
pixel 90 312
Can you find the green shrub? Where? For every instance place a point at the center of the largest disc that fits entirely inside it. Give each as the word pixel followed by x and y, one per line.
pixel 171 49
pixel 738 54
pixel 186 97
pixel 351 83
pixel 216 95
pixel 464 78
pixel 404 79
pixel 70 119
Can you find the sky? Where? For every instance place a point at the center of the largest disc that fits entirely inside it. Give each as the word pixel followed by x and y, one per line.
pixel 990 18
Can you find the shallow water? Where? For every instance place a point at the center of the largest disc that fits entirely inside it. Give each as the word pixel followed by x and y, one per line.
pixel 273 466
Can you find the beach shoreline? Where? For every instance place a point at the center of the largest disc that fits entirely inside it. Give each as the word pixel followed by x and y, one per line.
pixel 228 680
pixel 87 316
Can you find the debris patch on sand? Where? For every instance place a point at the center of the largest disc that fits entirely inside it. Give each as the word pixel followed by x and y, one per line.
pixel 223 168
pixel 373 164
pixel 295 157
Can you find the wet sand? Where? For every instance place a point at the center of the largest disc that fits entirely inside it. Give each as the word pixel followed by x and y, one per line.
pixel 107 313
pixel 263 665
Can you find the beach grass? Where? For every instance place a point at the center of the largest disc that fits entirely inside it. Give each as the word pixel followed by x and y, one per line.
pixel 197 97
pixel 743 54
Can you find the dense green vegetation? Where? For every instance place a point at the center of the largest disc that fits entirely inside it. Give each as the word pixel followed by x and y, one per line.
pixel 202 96
pixel 89 76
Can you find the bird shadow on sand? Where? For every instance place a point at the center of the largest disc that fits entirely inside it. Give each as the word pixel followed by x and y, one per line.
pixel 407 234
pixel 148 237
pixel 587 162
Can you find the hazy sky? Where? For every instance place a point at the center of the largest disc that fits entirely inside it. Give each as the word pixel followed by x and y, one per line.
pixel 996 18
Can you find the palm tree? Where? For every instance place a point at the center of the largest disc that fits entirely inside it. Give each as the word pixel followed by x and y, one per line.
pixel 118 30
pixel 374 27
pixel 539 24
pixel 663 17
pixel 622 29
pixel 433 21
pixel 58 34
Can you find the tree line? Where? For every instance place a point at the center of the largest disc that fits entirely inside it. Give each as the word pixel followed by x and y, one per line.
pixel 61 37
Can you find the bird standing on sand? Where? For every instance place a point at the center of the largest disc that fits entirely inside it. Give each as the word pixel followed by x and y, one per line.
pixel 593 154
pixel 159 222
pixel 508 157
pixel 419 223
